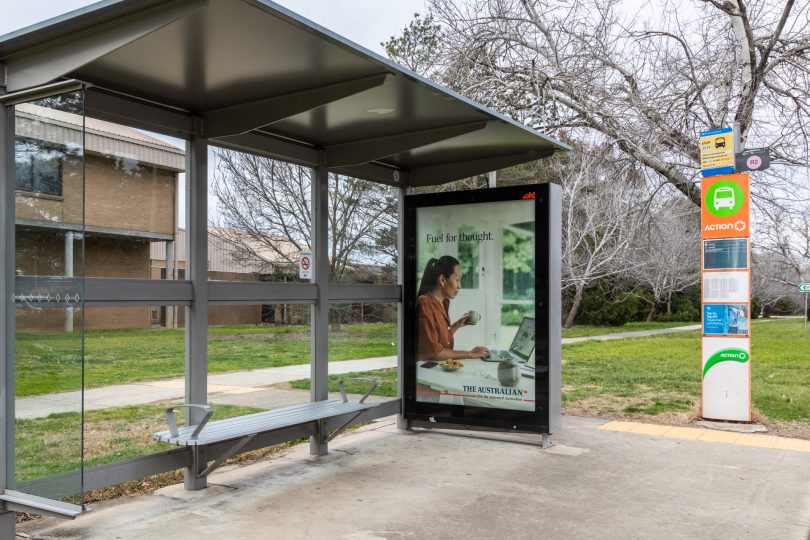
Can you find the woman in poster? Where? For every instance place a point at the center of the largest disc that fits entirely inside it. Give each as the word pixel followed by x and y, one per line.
pixel 441 282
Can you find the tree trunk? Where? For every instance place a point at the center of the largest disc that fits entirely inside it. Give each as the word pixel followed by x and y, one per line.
pixel 335 320
pixel 651 313
pixel 669 303
pixel 572 314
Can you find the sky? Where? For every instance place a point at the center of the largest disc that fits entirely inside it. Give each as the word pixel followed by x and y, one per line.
pixel 366 22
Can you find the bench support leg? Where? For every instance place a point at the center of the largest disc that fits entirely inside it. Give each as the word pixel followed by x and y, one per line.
pixel 226 454
pixel 191 478
pixel 7 524
pixel 338 431
pixel 318 446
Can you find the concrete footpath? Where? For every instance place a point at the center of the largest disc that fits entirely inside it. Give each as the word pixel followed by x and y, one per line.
pixel 237 388
pixel 381 483
pixel 249 388
pixel 637 333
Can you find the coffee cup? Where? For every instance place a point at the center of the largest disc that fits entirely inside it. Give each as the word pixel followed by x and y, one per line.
pixel 473 317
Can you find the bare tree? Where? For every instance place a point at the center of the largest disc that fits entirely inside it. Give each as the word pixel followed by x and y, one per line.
pixel 667 252
pixel 264 207
pixel 602 210
pixel 781 257
pixel 649 87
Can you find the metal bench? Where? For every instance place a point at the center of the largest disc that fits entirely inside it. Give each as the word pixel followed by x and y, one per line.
pixel 242 429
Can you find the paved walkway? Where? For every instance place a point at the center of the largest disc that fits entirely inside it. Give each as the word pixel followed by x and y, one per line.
pixel 638 333
pixel 380 483
pixel 240 387
pixel 249 388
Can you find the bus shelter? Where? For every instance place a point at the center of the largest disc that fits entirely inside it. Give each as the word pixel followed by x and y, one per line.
pixel 248 76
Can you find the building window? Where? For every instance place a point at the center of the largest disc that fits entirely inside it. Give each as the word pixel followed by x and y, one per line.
pixel 38 166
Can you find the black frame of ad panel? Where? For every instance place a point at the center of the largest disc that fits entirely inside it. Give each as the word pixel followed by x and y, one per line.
pixel 537 421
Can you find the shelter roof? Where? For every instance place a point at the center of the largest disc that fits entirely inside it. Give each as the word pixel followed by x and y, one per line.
pixel 253 67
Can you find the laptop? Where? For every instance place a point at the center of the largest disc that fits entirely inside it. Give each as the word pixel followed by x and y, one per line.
pixel 522 345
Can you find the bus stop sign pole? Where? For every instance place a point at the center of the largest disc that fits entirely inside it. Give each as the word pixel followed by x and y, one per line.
pixel 804 288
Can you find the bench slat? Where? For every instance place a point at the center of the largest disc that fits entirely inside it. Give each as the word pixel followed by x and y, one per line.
pixel 240 426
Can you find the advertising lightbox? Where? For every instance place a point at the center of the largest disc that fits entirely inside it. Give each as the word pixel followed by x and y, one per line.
pixel 482 308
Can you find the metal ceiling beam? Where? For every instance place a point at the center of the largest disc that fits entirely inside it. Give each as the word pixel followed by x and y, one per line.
pixel 62 56
pixel 270 147
pixel 359 152
pixel 129 111
pixel 375 172
pixel 242 118
pixel 447 172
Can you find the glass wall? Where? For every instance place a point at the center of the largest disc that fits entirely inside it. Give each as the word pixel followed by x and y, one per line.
pixel 259 215
pixel 49 296
pixel 240 352
pixel 102 200
pixel 131 375
pixel 362 231
pixel 364 345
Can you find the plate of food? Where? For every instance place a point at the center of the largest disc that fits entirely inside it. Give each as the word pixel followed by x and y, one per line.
pixel 452 365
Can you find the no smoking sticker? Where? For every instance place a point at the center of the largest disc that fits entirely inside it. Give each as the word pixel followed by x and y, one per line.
pixel 305 265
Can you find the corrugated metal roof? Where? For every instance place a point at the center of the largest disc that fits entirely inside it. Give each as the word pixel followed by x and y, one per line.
pixel 104 138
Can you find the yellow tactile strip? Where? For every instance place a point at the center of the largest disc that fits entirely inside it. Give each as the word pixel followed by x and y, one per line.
pixel 710 435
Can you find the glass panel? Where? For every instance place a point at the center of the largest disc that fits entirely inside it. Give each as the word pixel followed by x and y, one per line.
pixel 49 297
pixel 259 209
pixel 134 181
pixel 364 345
pixel 362 231
pixel 132 372
pixel 254 351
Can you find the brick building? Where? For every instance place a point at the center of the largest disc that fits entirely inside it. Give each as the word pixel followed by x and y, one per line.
pixel 114 187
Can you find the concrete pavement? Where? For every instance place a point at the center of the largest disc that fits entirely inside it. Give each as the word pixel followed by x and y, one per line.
pixel 381 483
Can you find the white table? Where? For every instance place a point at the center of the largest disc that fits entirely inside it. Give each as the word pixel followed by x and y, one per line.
pixel 463 386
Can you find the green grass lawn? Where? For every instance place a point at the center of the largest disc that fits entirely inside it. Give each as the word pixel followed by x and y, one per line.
pixel 662 373
pixel 52 362
pixel 52 445
pixel 586 330
pixel 386 388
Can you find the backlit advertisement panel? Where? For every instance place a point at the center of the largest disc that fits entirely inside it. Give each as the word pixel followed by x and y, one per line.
pixel 477 340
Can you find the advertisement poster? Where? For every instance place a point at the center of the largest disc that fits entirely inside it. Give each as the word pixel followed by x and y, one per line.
pixel 725 319
pixel 475 302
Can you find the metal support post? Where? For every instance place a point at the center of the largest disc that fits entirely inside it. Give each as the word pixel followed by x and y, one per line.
pixel 170 311
pixel 69 274
pixel 319 359
pixel 545 441
pixel 805 314
pixel 196 358
pixel 8 183
pixel 738 139
pixel 402 422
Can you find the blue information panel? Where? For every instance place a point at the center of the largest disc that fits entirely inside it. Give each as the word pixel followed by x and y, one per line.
pixel 725 254
pixel 717 152
pixel 725 319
